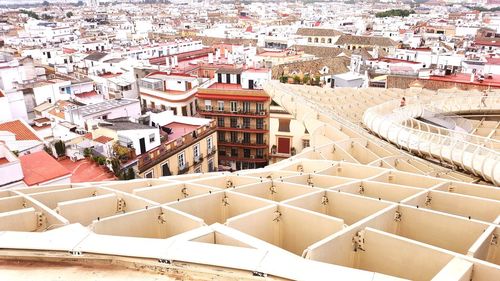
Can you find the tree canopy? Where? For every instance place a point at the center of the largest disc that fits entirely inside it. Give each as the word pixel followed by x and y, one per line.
pixel 394 13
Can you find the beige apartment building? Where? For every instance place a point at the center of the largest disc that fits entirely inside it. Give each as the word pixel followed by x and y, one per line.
pixel 192 149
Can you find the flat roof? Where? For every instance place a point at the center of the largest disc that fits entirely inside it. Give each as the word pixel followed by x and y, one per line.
pixel 180 129
pixel 103 106
pixel 40 167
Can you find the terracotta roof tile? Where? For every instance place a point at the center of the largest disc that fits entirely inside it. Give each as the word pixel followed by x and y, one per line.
pixel 40 167
pixel 20 129
pixel 103 139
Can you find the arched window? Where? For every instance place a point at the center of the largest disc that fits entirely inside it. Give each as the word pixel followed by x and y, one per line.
pixel 323 40
pixel 315 40
pixel 309 39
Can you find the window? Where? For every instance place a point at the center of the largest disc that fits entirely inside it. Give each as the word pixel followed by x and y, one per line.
pixel 148 175
pixel 246 106
pixel 209 144
pixel 234 106
pixel 305 143
pixel 196 150
pixel 234 137
pixel 246 123
pixel 260 153
pixel 246 137
pixel 208 105
pixel 220 105
pixel 151 138
pixel 182 160
pixel 234 122
pixel 259 123
pixel 220 121
pixel 165 169
pixel 234 152
pixel 198 169
pixel 221 136
pixel 246 153
pixel 260 107
pixel 309 40
pixel 284 125
pixel 260 138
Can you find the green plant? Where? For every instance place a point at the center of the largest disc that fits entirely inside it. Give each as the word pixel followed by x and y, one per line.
pixel 95 159
pixel 306 79
pixel 101 160
pixel 60 148
pixel 47 149
pixel 115 166
pixel 30 14
pixel 296 79
pixel 69 14
pixel 130 174
pixel 284 79
pixel 87 152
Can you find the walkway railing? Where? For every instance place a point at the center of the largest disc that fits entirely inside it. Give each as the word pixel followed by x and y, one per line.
pixel 476 154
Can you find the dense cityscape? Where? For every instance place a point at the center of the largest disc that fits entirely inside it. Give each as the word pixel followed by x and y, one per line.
pixel 249 140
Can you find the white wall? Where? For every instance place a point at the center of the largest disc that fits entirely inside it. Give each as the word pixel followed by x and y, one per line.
pixel 136 135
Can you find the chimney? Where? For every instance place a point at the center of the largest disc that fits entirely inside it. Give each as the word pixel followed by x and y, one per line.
pixel 217 54
pixel 230 58
pixel 472 77
pixel 210 58
pixel 167 62
pixel 175 62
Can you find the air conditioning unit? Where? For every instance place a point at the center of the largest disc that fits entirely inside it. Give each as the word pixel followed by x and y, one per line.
pixel 252 156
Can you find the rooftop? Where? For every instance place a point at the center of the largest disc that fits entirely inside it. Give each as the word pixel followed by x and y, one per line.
pixel 123 125
pixel 464 78
pixel 104 106
pixel 22 130
pixel 180 129
pixel 40 167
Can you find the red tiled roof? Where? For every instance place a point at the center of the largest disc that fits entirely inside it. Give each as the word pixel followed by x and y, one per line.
pixel 69 51
pixel 465 79
pixel 495 61
pixel 2 94
pixel 103 139
pixel 86 94
pixel 487 43
pixel 3 160
pixel 42 120
pixel 40 167
pixel 20 129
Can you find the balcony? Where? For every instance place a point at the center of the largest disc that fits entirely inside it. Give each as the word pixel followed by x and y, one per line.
pixel 238 113
pixel 211 151
pixel 198 159
pixel 183 168
pixel 252 158
pixel 248 129
pixel 242 143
